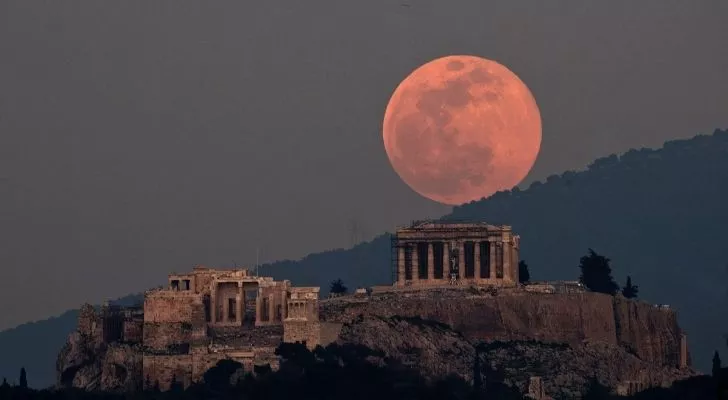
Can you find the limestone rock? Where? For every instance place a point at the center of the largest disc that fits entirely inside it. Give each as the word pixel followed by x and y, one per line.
pixel 431 347
pixel 89 364
pixel 565 369
pixel 651 334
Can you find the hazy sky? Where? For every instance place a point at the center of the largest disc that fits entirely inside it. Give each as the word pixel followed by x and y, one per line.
pixel 146 136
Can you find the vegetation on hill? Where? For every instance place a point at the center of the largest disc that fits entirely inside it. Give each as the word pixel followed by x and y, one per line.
pixel 596 273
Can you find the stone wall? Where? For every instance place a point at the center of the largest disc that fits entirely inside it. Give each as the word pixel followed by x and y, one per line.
pixel 302 331
pixel 170 306
pixel 133 331
pixel 158 337
pixel 161 369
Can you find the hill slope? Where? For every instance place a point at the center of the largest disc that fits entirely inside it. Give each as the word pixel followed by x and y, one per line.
pixel 660 215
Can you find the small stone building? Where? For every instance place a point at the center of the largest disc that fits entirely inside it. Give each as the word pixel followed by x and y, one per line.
pixel 444 253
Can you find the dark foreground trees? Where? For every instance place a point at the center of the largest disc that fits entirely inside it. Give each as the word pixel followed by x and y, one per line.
pixel 596 273
pixel 337 288
pixel 524 276
pixel 630 290
pixel 345 372
pixel 716 370
pixel 23 382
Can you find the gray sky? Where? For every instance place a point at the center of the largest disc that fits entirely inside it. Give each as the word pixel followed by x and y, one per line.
pixel 141 137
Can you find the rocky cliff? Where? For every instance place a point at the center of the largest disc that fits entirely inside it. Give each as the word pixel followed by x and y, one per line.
pixel 651 334
pixel 565 339
pixel 93 365
pixel 438 351
pixel 87 361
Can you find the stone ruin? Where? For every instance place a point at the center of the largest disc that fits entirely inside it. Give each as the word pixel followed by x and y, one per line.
pixel 429 253
pixel 205 316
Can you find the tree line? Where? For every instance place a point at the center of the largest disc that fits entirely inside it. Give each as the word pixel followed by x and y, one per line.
pixel 345 372
pixel 596 275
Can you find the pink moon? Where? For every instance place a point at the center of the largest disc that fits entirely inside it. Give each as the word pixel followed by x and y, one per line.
pixel 461 128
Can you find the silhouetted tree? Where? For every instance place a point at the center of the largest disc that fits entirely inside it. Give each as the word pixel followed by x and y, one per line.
pixel 596 391
pixel 23 382
pixel 218 378
pixel 477 377
pixel 523 275
pixel 337 287
pixel 629 290
pixel 596 274
pixel 297 353
pixel 716 364
pixel 5 384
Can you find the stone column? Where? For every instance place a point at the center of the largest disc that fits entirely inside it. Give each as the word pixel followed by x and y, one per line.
pixel 476 245
pixel 461 260
pixel 507 273
pixel 491 245
pixel 445 261
pixel 239 305
pixel 271 308
pixel 213 304
pixel 430 261
pixel 258 307
pixel 415 264
pixel 225 310
pixel 284 304
pixel 401 267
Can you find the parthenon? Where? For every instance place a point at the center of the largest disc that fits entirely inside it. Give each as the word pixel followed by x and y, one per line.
pixel 441 253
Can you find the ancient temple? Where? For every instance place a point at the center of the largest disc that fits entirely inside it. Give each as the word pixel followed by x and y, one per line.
pixel 445 253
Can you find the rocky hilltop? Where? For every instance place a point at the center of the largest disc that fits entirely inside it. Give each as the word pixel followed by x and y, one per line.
pixel 87 361
pixel 648 332
pixel 565 339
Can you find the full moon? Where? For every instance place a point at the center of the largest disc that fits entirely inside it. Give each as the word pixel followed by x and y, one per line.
pixel 461 128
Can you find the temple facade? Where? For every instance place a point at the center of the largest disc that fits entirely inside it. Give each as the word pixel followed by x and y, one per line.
pixel 236 297
pixel 209 314
pixel 439 253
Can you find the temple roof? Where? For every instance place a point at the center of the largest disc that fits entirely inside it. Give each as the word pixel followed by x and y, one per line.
pixel 444 225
